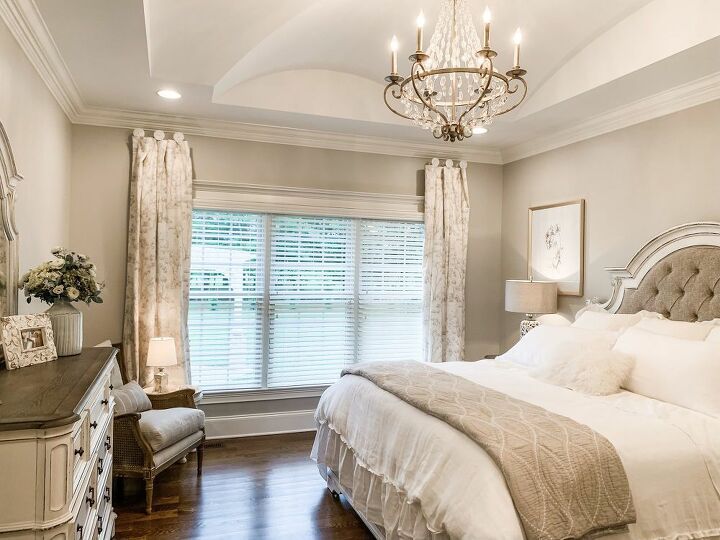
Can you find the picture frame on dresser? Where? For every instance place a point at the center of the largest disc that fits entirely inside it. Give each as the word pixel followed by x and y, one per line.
pixel 556 245
pixel 27 340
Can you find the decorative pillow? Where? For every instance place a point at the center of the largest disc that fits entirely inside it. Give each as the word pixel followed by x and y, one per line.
pixel 696 331
pixel 595 371
pixel 602 320
pixel 547 342
pixel 130 398
pixel 678 371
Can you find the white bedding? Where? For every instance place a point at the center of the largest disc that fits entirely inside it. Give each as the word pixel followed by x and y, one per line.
pixel 671 455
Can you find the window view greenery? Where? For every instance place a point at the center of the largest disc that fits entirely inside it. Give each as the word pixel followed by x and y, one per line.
pixel 281 301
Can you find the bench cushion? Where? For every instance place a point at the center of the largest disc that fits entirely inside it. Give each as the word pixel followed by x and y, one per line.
pixel 165 427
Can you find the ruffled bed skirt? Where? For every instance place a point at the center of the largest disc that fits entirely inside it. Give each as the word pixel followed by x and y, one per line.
pixel 372 495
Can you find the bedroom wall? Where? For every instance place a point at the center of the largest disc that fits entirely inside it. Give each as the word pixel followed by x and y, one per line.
pixel 637 182
pixel 98 220
pixel 98 224
pixel 40 136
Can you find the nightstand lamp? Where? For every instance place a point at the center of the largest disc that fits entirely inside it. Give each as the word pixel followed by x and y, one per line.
pixel 161 354
pixel 532 298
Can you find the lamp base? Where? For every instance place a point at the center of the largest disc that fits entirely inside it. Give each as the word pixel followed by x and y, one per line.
pixel 527 325
pixel 161 381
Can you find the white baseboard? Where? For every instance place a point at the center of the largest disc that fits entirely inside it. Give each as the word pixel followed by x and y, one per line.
pixel 248 425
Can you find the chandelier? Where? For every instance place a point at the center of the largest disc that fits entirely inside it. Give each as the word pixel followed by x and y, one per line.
pixel 453 88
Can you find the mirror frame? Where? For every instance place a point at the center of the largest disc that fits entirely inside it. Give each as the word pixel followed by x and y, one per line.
pixel 9 179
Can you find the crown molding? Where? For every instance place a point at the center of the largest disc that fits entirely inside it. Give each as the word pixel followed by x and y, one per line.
pixel 27 26
pixel 663 103
pixel 208 127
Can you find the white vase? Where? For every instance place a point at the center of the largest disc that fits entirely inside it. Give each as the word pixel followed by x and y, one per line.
pixel 67 325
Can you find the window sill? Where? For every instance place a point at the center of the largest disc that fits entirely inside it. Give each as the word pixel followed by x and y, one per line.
pixel 211 397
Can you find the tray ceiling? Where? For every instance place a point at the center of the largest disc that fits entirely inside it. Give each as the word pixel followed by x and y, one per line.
pixel 318 65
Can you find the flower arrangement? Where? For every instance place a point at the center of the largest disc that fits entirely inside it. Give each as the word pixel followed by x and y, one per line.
pixel 70 277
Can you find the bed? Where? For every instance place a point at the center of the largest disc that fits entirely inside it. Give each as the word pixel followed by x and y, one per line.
pixel 409 474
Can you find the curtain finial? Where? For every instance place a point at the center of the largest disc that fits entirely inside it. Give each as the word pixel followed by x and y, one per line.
pixel 449 163
pixel 159 135
pixel 463 164
pixel 138 132
pixel 435 162
pixel 178 137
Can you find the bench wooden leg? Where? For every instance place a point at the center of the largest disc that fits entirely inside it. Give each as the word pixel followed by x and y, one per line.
pixel 200 452
pixel 148 495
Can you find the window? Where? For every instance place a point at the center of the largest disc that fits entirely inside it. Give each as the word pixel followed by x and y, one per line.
pixel 281 301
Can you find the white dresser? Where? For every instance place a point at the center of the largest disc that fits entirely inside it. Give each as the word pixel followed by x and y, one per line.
pixel 56 449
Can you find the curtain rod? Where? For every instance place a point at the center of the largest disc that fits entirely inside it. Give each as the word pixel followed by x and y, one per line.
pixel 448 163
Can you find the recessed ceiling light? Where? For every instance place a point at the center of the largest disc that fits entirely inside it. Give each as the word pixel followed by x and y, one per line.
pixel 169 93
pixel 478 130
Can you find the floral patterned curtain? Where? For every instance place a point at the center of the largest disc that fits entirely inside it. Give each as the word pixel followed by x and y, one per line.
pixel 158 259
pixel 447 212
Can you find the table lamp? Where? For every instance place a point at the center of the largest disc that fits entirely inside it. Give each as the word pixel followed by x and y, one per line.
pixel 531 298
pixel 161 354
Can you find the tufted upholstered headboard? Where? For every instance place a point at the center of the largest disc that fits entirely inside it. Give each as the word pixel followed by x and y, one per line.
pixel 676 274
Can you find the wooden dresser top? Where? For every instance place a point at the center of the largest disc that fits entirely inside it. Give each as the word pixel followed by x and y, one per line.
pixel 47 395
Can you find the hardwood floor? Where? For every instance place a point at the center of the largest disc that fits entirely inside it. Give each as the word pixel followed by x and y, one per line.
pixel 258 488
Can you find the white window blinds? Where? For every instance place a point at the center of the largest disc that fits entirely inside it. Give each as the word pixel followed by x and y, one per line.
pixel 282 301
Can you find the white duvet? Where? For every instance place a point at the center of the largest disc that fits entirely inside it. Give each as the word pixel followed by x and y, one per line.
pixel 671 455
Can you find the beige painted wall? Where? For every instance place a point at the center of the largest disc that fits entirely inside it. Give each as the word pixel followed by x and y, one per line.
pixel 637 182
pixel 40 137
pixel 98 224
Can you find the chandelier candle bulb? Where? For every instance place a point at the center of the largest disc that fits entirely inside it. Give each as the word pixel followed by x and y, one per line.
pixel 487 16
pixel 393 55
pixel 517 38
pixel 420 24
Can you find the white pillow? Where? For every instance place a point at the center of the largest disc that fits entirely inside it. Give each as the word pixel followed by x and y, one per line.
pixel 547 342
pixel 596 371
pixel 602 320
pixel 696 331
pixel 678 371
pixel 714 335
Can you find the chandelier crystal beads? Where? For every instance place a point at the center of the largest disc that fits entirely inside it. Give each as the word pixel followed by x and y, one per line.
pixel 453 87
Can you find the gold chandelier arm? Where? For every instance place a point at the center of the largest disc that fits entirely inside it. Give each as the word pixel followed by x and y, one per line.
pixel 489 74
pixel 414 72
pixel 396 96
pixel 512 91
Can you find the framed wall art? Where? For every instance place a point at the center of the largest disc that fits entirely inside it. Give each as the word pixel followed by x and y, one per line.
pixel 556 245
pixel 27 340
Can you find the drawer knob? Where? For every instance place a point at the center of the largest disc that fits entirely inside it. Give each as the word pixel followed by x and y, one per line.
pixel 93 425
pixel 108 444
pixel 91 499
pixel 104 402
pixel 79 451
pixel 100 527
pixel 107 494
pixel 111 387
pixel 80 530
pixel 100 466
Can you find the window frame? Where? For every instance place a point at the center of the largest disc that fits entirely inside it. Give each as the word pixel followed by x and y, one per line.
pixel 281 200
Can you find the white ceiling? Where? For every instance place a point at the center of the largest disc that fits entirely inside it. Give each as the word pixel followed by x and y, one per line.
pixel 319 64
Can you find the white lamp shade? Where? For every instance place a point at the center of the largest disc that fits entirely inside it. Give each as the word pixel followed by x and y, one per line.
pixel 531 297
pixel 161 352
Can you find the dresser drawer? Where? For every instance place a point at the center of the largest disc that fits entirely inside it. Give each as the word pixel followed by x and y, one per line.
pixel 81 450
pixel 98 414
pixel 88 504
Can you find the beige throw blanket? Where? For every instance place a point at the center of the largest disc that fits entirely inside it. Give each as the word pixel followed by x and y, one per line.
pixel 565 479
